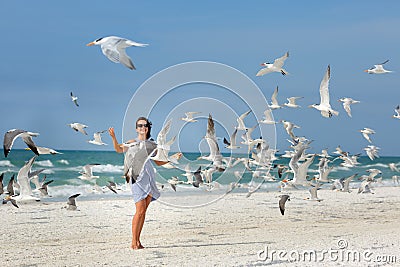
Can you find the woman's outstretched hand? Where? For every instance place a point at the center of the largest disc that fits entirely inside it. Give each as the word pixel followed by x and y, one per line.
pixel 111 132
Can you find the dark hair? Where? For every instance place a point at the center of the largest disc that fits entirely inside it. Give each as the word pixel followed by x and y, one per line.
pixel 148 123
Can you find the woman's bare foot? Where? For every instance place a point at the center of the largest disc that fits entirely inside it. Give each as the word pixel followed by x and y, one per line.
pixel 137 246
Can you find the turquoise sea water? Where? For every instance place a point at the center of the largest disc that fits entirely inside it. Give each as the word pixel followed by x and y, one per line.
pixel 64 170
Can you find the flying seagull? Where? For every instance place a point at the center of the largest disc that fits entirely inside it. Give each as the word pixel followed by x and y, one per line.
pixel 45 151
pixel 87 173
pixel 97 138
pixel 74 99
pixel 347 101
pixel 292 102
pixel 71 204
pixel 378 69
pixel 189 116
pixel 9 199
pixel 231 144
pixel 78 127
pixel 112 186
pixel 324 106
pixel 240 121
pixel 366 132
pixel 397 111
pixel 282 202
pixel 274 100
pixel 113 48
pixel 26 136
pixel 274 67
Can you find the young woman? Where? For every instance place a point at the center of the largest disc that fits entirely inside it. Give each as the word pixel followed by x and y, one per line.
pixel 142 182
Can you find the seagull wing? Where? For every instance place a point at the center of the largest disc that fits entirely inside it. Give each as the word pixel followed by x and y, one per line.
pixel 274 100
pixel 278 63
pixel 162 135
pixel 268 115
pixel 199 179
pixel 71 200
pixel 9 138
pixel 282 202
pixel 110 52
pixel 22 178
pixel 29 142
pixel 324 88
pixel 125 59
pixel 346 106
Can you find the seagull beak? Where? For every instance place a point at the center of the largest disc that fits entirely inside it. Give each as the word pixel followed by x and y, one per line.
pixel 262 64
pixel 90 44
pixel 310 106
pixel 27 148
pixel 365 70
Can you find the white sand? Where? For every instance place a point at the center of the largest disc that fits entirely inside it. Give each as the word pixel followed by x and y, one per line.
pixel 229 232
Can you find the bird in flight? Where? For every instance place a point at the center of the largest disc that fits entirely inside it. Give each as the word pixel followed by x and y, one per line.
pixel 113 48
pixel 324 106
pixel 74 99
pixel 378 69
pixel 277 66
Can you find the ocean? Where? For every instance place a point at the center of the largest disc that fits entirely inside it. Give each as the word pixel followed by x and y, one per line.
pixel 64 170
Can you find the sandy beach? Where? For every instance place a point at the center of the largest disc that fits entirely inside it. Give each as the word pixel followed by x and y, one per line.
pixel 345 229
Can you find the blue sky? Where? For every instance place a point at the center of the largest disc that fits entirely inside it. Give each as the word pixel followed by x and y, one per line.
pixel 45 57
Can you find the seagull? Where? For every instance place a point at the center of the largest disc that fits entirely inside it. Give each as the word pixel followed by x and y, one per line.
pixel 240 121
pixel 79 127
pixel 397 110
pixel 346 183
pixel 366 132
pixel 113 48
pixel 11 135
pixel 274 100
pixel 34 178
pixel 232 143
pixel 378 69
pixel 372 151
pixel 347 101
pixel 275 67
pixel 43 189
pixel 313 192
pixel 292 102
pixel 188 173
pixel 112 186
pixel 268 119
pixel 9 199
pixel 163 147
pixel 74 99
pixel 71 204
pixel 189 116
pixel 393 167
pixel 282 202
pixel 87 173
pixel 10 187
pixel 211 138
pixel 25 193
pixel 281 168
pixel 45 151
pixel 97 138
pixel 289 126
pixel 199 178
pixel 324 106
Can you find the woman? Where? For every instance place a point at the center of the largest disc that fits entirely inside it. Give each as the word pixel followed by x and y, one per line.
pixel 143 184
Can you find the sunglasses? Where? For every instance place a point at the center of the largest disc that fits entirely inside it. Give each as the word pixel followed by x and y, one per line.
pixel 142 125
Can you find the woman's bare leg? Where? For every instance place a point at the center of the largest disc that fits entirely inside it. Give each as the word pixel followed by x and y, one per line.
pixel 137 224
pixel 147 203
